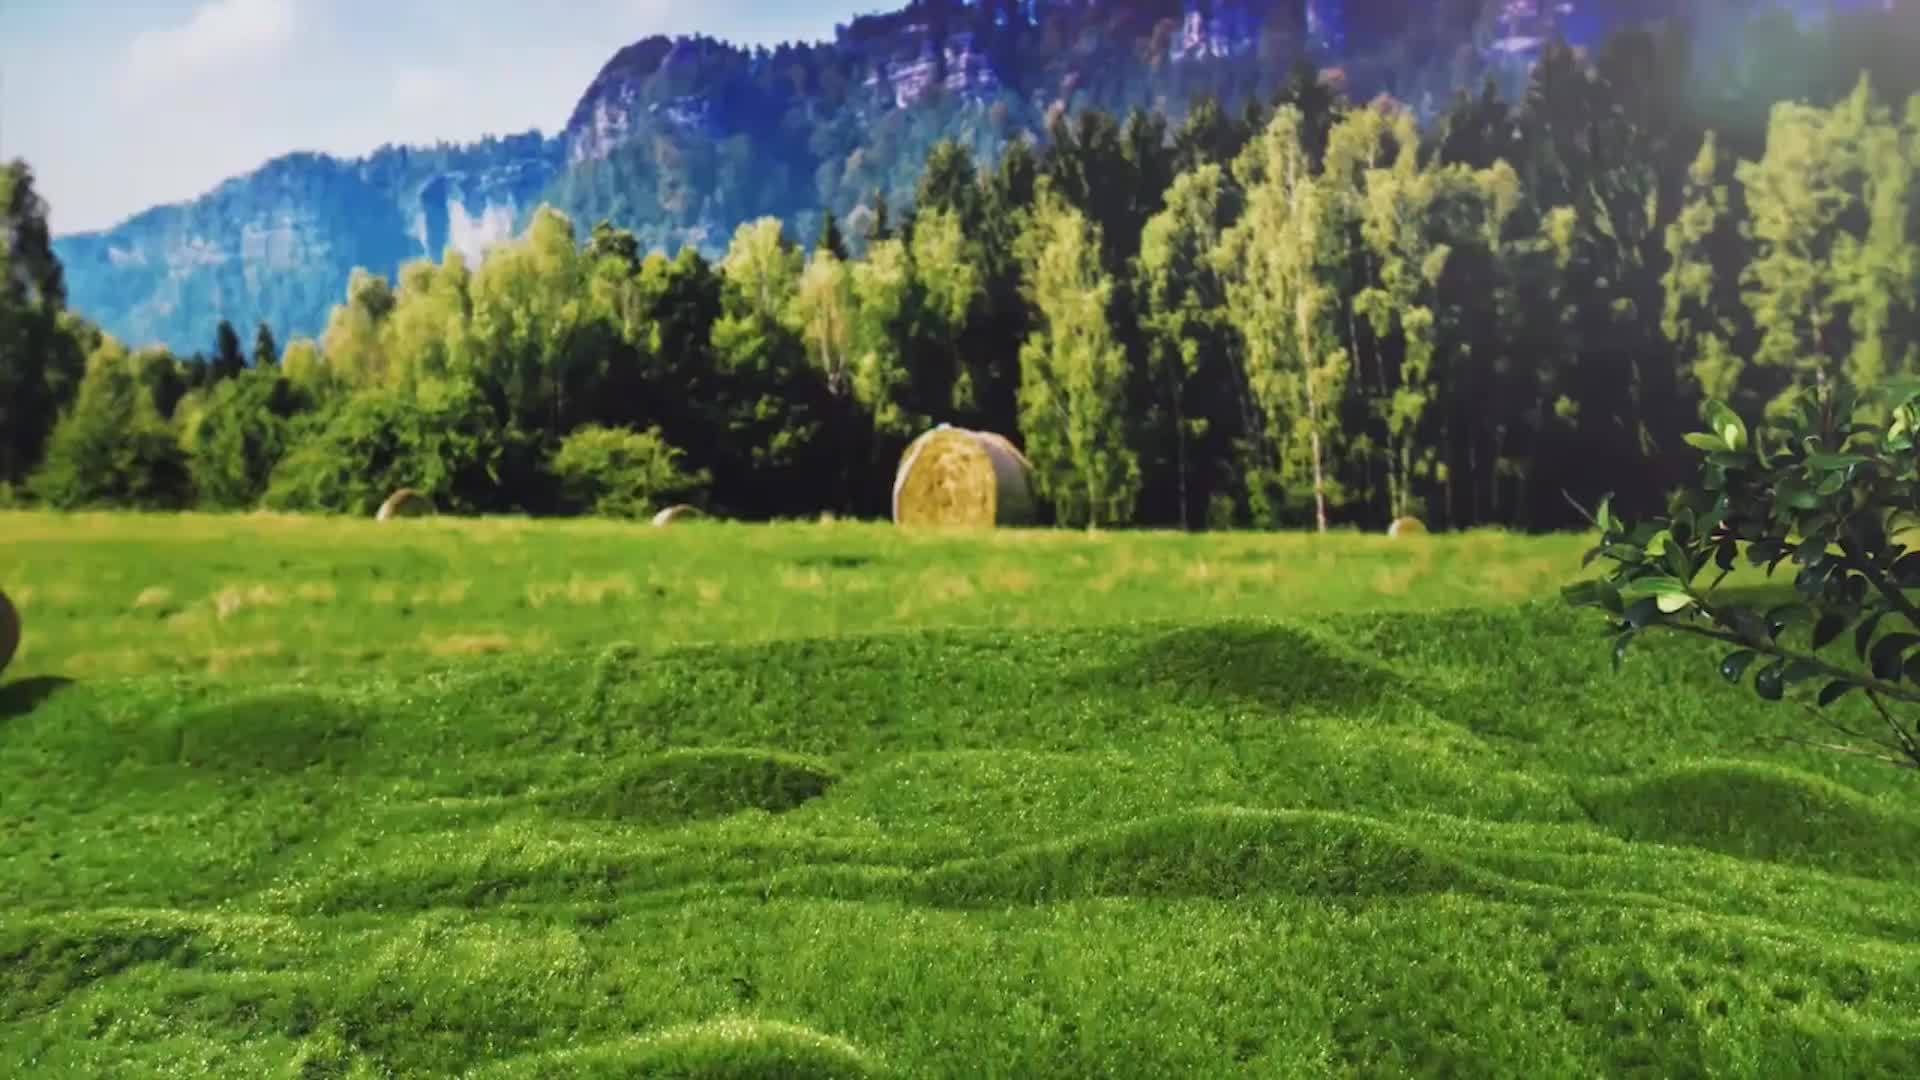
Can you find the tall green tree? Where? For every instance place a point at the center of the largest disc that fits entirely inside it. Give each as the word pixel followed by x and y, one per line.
pixel 112 448
pixel 1702 313
pixel 266 351
pixel 776 401
pixel 532 318
pixel 832 239
pixel 947 276
pixel 1183 292
pixel 1393 196
pixel 228 359
pixel 351 341
pixel 239 436
pixel 1832 208
pixel 884 304
pixel 41 358
pixel 1280 260
pixel 1074 375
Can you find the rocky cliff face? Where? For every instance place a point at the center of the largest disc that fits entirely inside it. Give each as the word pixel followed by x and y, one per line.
pixel 278 244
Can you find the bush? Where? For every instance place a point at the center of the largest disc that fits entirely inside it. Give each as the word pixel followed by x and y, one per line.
pixel 1827 487
pixel 443 442
pixel 112 448
pixel 619 472
pixel 241 436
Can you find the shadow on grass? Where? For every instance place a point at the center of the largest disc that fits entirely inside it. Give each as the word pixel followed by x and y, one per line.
pixel 1762 812
pixel 1218 852
pixel 1275 668
pixel 277 731
pixel 693 785
pixel 737 1046
pixel 22 696
pixel 833 562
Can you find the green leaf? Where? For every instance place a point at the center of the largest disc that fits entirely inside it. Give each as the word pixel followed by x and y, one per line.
pixel 1727 424
pixel 1709 443
pixel 1796 497
pixel 1736 664
pixel 1799 671
pixel 1671 603
pixel 1856 590
pixel 1827 629
pixel 1809 580
pixel 1832 462
pixel 1654 585
pixel 1610 597
pixel 1885 660
pixel 1581 594
pixel 1905 571
pixel 1834 690
pixel 1592 593
pixel 1642 613
pixel 1768 682
pixel 1863 634
pixel 1782 616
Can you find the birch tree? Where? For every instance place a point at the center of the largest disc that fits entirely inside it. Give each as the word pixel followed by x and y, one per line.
pixel 1073 375
pixel 1184 295
pixel 1700 287
pixel 1832 210
pixel 1279 260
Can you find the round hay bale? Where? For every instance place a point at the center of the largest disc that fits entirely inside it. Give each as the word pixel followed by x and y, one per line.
pixel 405 503
pixel 681 512
pixel 952 476
pixel 1406 526
pixel 9 631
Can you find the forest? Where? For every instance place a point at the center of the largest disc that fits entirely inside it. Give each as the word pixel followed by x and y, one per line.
pixel 1307 312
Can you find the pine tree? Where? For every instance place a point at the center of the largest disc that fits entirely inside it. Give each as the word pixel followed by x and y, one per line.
pixel 832 240
pixel 228 360
pixel 266 351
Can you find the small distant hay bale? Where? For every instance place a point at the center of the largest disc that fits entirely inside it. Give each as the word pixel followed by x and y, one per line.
pixel 405 503
pixel 953 476
pixel 1406 526
pixel 9 631
pixel 682 512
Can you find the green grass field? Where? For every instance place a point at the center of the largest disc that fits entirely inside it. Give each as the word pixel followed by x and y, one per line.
pixel 506 799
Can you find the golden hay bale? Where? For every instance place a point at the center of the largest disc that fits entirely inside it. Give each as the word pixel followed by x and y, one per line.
pixel 405 503
pixel 1406 526
pixel 9 631
pixel 952 476
pixel 682 512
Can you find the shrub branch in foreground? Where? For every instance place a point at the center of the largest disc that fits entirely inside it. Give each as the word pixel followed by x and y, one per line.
pixel 1827 487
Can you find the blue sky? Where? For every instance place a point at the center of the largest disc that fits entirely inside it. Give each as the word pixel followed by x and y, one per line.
pixel 121 104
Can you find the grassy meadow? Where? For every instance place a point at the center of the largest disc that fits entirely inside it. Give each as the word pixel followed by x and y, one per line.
pixel 506 799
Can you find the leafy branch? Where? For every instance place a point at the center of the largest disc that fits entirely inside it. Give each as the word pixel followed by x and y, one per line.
pixel 1826 490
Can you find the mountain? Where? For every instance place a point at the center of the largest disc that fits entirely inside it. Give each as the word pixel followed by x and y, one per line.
pixel 682 139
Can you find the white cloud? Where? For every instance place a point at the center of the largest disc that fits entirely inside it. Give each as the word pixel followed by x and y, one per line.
pixel 219 32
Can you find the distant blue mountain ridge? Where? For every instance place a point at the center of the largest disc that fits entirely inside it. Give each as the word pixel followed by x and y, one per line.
pixel 683 139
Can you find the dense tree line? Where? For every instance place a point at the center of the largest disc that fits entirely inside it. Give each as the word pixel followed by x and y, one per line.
pixel 1305 312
